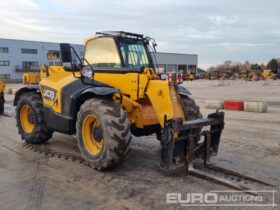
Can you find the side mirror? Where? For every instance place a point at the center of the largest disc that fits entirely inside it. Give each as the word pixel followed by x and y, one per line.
pixel 66 54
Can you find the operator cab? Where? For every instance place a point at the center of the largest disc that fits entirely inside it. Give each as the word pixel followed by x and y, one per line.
pixel 117 50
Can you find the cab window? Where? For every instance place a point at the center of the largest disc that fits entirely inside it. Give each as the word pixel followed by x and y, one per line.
pixel 134 54
pixel 102 52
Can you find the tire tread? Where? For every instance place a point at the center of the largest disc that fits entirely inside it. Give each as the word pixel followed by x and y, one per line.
pixel 116 124
pixel 41 133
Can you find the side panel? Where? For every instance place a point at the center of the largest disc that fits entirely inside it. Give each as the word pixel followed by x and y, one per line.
pixel 127 83
pixel 58 122
pixel 143 81
pixel 146 116
pixel 51 88
pixel 159 95
pixel 63 94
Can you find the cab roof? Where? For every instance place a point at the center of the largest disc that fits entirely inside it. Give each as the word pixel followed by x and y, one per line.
pixel 114 34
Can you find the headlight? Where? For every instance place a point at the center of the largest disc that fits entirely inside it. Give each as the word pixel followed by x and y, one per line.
pixel 87 72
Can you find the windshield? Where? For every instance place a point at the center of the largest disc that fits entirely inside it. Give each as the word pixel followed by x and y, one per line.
pixel 102 52
pixel 134 54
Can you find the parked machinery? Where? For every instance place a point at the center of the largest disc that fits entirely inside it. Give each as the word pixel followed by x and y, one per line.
pixel 2 98
pixel 31 77
pixel 189 76
pixel 268 74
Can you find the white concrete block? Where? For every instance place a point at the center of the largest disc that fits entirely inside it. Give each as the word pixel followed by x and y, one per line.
pixel 251 106
pixel 214 104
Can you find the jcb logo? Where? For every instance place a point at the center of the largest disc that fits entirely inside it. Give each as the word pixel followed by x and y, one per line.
pixel 48 93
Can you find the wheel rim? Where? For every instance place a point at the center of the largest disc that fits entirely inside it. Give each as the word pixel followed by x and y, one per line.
pixel 92 134
pixel 27 119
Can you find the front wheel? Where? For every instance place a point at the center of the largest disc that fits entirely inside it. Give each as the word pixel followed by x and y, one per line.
pixel 191 112
pixel 103 133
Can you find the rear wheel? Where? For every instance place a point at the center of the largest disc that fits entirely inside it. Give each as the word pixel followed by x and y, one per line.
pixel 2 102
pixel 31 119
pixel 103 133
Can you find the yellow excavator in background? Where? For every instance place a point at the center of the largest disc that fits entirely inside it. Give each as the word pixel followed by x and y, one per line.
pixel 2 98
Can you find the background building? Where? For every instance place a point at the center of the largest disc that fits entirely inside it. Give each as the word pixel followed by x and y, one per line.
pixel 175 62
pixel 18 56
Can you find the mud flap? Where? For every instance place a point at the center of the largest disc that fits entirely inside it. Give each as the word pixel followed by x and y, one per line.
pixel 167 148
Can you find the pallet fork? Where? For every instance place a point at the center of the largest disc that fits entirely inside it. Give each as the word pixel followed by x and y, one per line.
pixel 210 147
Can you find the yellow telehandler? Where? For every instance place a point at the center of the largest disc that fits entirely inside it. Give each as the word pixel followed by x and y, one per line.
pixel 112 94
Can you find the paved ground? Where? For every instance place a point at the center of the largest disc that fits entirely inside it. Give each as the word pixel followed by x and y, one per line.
pixel 33 180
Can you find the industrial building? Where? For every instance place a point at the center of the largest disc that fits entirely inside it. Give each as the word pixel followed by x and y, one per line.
pixel 176 62
pixel 18 56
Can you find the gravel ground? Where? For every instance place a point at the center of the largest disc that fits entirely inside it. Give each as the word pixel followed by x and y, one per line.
pixel 250 143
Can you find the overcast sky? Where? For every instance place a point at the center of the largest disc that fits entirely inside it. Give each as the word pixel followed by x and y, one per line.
pixel 216 30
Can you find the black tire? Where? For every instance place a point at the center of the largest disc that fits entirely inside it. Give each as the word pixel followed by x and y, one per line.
pixel 115 133
pixel 41 133
pixel 2 102
pixel 190 108
pixel 192 112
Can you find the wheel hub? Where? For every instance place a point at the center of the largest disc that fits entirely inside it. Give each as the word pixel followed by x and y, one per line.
pixel 31 118
pixel 97 133
pixel 92 133
pixel 27 118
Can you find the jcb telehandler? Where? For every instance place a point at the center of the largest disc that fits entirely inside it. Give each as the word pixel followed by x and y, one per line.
pixel 112 94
